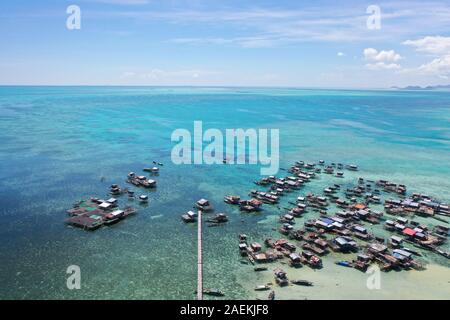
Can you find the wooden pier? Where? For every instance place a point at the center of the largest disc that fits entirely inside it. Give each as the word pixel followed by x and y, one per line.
pixel 199 257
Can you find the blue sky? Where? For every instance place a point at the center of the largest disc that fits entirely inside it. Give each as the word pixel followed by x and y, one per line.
pixel 231 43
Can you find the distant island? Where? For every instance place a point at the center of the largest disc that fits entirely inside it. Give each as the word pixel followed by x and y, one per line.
pixel 439 87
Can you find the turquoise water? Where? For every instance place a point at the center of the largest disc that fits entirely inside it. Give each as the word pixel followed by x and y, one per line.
pixel 63 144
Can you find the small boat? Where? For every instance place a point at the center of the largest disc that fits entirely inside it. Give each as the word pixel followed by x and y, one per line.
pixel 153 170
pixel 443 253
pixel 259 269
pixel 262 288
pixel 302 283
pixel 213 292
pixel 143 198
pixel 271 295
pixel 347 264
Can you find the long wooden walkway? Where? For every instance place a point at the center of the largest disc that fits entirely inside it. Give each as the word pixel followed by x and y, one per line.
pixel 199 258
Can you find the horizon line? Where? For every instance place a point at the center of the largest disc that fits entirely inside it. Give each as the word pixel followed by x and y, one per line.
pixel 201 86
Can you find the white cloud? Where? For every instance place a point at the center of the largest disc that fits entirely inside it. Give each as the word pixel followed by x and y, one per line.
pixel 439 67
pixel 436 45
pixel 340 54
pixel 381 56
pixel 128 74
pixel 123 2
pixel 160 74
pixel 244 42
pixel 383 66
pixel 370 53
pixel 275 27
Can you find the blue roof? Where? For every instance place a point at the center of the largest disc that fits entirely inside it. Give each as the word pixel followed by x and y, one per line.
pixel 327 221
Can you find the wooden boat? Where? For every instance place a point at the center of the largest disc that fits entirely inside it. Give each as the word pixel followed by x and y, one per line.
pixel 441 230
pixel 352 167
pixel 302 283
pixel 443 253
pixel 154 170
pixel 213 292
pixel 259 269
pixel 347 264
pixel 262 288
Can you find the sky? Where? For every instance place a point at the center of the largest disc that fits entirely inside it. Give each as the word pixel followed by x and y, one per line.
pixel 276 43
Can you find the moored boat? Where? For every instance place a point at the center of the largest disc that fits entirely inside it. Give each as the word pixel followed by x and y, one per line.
pixel 213 292
pixel 347 264
pixel 263 287
pixel 259 269
pixel 302 283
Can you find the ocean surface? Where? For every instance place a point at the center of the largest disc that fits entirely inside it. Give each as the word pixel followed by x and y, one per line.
pixel 63 144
